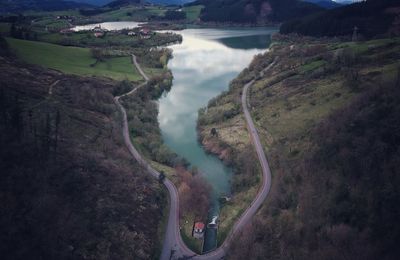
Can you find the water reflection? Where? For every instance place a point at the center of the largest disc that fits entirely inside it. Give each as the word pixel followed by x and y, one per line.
pixel 110 26
pixel 203 65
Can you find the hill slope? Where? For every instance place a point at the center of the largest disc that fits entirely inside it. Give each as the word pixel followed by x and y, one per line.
pixel 254 11
pixel 69 188
pixel 327 114
pixel 372 18
pixel 121 3
pixel 8 6
pixel 327 4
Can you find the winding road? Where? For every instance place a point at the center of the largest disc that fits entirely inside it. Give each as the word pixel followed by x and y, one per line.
pixel 173 246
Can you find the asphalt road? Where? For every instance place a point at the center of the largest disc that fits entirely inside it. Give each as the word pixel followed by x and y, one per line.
pixel 173 246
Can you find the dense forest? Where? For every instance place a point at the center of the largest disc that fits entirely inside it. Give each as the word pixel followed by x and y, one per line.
pixel 254 11
pixel 120 3
pixel 69 188
pixel 372 18
pixel 45 5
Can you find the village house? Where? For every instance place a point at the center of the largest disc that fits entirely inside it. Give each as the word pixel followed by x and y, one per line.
pixel 98 31
pixel 146 33
pixel 198 230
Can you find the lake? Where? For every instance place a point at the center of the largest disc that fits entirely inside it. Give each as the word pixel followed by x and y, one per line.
pixel 110 26
pixel 202 66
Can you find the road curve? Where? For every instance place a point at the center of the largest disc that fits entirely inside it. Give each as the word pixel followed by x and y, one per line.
pixel 173 246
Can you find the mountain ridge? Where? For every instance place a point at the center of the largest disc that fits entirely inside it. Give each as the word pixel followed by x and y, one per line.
pixel 8 6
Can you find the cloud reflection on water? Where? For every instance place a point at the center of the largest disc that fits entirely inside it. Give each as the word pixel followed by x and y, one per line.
pixel 202 68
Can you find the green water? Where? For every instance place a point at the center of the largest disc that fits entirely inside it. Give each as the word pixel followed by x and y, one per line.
pixel 203 65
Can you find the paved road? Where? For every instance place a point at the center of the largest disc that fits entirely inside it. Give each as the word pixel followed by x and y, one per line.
pixel 173 246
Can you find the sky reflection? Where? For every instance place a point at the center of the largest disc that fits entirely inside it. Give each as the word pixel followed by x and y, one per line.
pixel 202 67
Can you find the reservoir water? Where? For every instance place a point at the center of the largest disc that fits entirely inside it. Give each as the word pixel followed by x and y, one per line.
pixel 202 66
pixel 110 26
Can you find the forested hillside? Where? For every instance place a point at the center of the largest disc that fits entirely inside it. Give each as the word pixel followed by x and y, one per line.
pixel 12 6
pixel 254 11
pixel 327 4
pixel 372 18
pixel 68 187
pixel 121 3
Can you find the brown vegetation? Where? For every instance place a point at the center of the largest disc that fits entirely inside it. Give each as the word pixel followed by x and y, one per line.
pixel 69 188
pixel 194 193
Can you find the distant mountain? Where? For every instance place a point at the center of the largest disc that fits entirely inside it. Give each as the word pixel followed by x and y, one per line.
pixel 161 2
pixel 372 18
pixel 12 6
pixel 254 11
pixel 120 3
pixel 170 2
pixel 327 4
pixel 94 2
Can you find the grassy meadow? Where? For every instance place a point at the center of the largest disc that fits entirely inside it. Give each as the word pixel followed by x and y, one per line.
pixel 192 12
pixel 131 13
pixel 73 60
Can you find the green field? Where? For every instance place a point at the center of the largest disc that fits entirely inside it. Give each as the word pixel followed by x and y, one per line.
pixel 73 60
pixel 4 27
pixel 193 12
pixel 131 13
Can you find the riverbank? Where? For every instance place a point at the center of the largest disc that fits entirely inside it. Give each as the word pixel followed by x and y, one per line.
pixel 192 189
pixel 222 131
pixel 314 81
pixel 142 110
pixel 178 109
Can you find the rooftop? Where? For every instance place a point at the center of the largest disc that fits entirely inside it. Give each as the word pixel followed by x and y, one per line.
pixel 199 225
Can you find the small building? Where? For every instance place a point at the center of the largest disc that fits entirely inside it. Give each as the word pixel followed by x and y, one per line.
pixel 146 33
pixel 198 230
pixel 131 33
pixel 98 34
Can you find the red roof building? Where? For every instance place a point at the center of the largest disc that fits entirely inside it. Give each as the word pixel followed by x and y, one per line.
pixel 198 230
